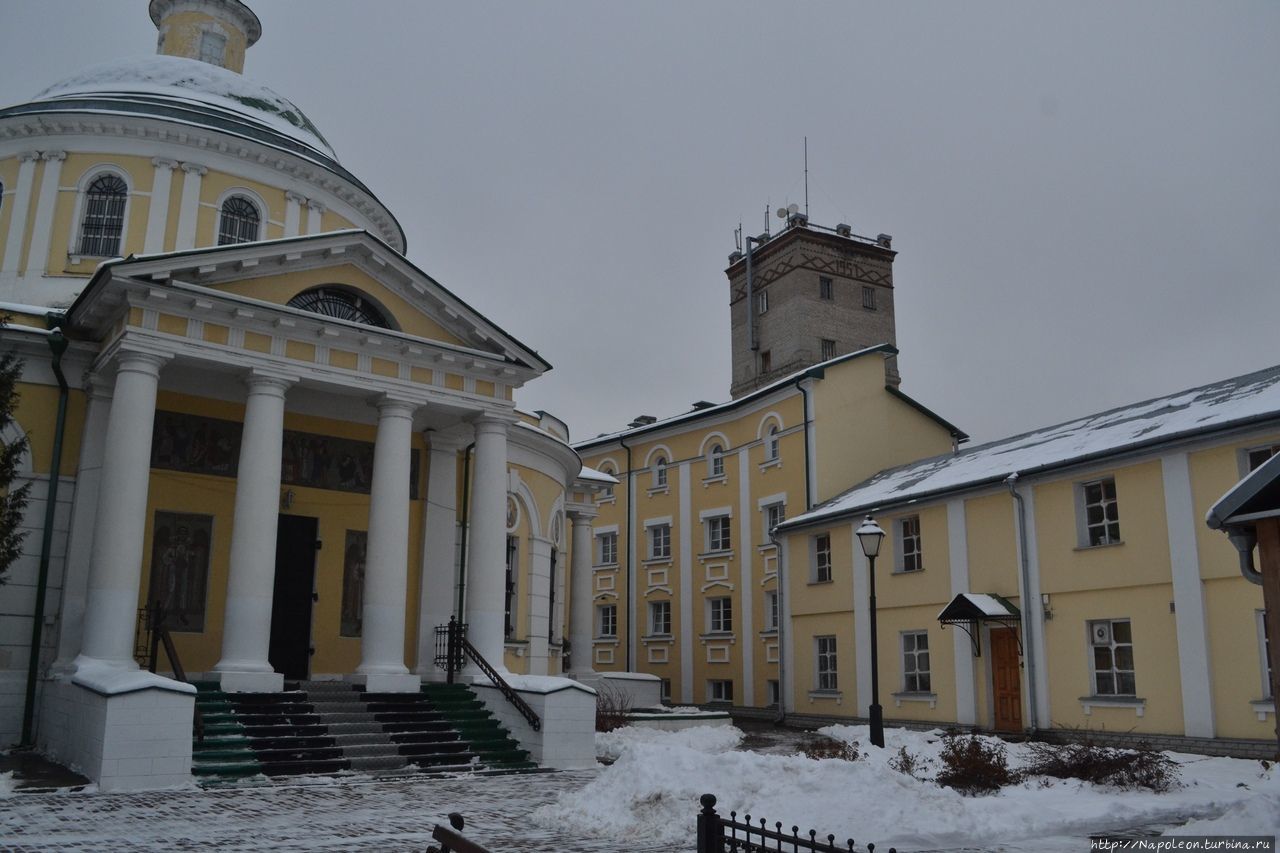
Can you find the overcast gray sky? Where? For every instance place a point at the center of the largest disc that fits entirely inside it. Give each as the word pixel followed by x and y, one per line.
pixel 1085 196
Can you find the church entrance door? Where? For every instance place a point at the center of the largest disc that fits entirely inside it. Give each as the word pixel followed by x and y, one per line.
pixel 1006 680
pixel 290 653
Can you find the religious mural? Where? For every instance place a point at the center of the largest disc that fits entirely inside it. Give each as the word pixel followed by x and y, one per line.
pixel 354 553
pixel 180 546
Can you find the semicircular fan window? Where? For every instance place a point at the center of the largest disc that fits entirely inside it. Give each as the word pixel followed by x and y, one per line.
pixel 342 304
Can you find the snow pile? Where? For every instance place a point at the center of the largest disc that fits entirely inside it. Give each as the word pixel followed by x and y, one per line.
pixel 706 739
pixel 7 784
pixel 651 792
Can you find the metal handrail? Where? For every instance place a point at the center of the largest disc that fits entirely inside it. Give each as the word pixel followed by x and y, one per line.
pixel 456 647
pixel 507 692
pixel 160 635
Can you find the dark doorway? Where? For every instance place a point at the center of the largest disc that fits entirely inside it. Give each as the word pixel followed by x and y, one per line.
pixel 1006 680
pixel 290 652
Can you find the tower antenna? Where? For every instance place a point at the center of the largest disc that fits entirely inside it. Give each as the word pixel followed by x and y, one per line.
pixel 806 177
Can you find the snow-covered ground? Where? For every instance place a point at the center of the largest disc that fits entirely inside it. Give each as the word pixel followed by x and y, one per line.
pixel 651 790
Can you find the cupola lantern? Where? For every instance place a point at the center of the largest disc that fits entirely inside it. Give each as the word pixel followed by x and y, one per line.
pixel 214 31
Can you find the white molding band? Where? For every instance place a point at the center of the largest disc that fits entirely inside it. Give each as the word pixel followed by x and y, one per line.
pixel 961 647
pixel 746 622
pixel 21 201
pixel 41 231
pixel 686 586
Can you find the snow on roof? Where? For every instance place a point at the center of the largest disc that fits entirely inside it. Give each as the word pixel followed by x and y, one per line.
pixel 987 605
pixel 594 476
pixel 1220 405
pixel 192 81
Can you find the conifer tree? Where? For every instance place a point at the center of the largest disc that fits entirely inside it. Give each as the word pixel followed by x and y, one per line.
pixel 13 502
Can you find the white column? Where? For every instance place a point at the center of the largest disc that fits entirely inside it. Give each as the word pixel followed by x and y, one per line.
pixel 746 522
pixel 1188 597
pixel 246 627
pixel 387 562
pixel 38 254
pixel 116 571
pixel 961 645
pixel 581 603
pixel 189 209
pixel 539 595
pixel 84 511
pixel 314 211
pixel 20 198
pixel 293 213
pixel 687 693
pixel 439 552
pixel 486 562
pixel 158 213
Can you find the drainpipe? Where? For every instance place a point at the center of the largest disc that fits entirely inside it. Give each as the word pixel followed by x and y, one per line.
pixel 58 345
pixel 1024 568
pixel 466 521
pixel 808 484
pixel 783 553
pixel 1245 539
pixel 630 510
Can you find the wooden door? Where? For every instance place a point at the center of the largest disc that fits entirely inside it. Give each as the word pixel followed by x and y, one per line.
pixel 1006 680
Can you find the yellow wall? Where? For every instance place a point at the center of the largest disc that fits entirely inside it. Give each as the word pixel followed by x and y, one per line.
pixel 9 180
pixel 65 231
pixel 37 415
pixel 182 37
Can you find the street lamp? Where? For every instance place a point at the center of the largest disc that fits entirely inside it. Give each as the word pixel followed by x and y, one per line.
pixel 871 535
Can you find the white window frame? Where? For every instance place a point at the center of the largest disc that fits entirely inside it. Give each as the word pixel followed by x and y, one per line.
pixel 82 191
pixel 909 646
pixel 253 198
pixel 720 690
pixel 719 533
pixel 816 552
pixel 762 302
pixel 660 472
pixel 767 519
pixel 606 621
pixel 211 34
pixel 607 547
pixel 659 627
pixel 905 562
pixel 772 448
pixel 652 533
pixel 720 615
pixel 1246 456
pixel 1108 640
pixel 1083 527
pixel 715 461
pixel 825 664
pixel 771 613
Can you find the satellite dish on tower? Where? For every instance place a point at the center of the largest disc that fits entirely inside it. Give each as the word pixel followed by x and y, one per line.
pixel 793 209
pixel 782 213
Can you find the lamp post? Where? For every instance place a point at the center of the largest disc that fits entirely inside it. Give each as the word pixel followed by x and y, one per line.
pixel 870 535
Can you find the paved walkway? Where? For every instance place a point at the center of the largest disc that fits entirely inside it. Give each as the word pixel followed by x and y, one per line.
pixel 389 815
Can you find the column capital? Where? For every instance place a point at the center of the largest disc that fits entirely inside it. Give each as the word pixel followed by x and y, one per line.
pixel 444 443
pixel 139 361
pixel 580 514
pixel 28 156
pixel 261 381
pixel 394 407
pixel 54 155
pixel 194 169
pixel 296 198
pixel 164 163
pixel 493 423
pixel 96 385
pixel 317 206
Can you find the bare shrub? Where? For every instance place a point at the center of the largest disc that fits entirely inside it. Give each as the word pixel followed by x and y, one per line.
pixel 611 709
pixel 907 763
pixel 972 766
pixel 1132 769
pixel 829 747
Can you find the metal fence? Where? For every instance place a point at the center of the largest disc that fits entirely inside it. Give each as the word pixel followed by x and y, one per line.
pixel 717 834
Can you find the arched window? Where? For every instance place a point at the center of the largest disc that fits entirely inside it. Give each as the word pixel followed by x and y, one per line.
pixel 607 491
pixel 715 461
pixel 660 472
pixel 103 221
pixel 239 222
pixel 771 444
pixel 340 303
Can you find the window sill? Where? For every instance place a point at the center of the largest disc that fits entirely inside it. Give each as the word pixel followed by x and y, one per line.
pixel 931 698
pixel 1098 546
pixel 609 500
pixel 1090 702
pixel 656 561
pixel 919 571
pixel 820 582
pixel 657 638
pixel 716 555
pixel 718 637
pixel 1262 707
pixel 605 641
pixel 605 567
pixel 768 546
pixel 769 632
pixel 837 695
pixel 658 490
pixel 770 463
pixel 717 479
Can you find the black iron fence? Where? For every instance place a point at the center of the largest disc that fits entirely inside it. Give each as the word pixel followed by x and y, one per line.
pixel 718 834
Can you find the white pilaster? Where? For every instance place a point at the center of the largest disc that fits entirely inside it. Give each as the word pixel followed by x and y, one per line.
pixel 293 213
pixel 1188 597
pixel 786 629
pixel 1032 612
pixel 84 511
pixel 387 562
pixel 539 603
pixel 861 624
pixel 686 584
pixel 246 627
pixel 961 646
pixel 315 210
pixel 189 208
pixel 486 562
pixel 38 254
pixel 440 540
pixel 581 606
pixel 20 198
pixel 746 627
pixel 116 570
pixel 158 212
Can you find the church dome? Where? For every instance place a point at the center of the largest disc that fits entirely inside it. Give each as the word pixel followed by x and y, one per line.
pixel 189 91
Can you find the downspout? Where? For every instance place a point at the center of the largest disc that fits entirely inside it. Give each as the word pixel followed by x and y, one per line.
pixel 1024 568
pixel 630 511
pixel 752 339
pixel 1245 539
pixel 466 523
pixel 808 484
pixel 783 554
pixel 58 344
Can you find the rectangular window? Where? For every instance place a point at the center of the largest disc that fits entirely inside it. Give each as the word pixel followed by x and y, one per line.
pixel 1259 455
pixel 1101 512
pixel 774 692
pixel 869 298
pixel 909 544
pixel 1112 644
pixel 666 690
pixel 660 542
pixel 607 620
pixel 915 662
pixel 771 610
pixel 213 48
pixel 719 690
pixel 824 287
pixel 607 549
pixel 718 533
pixel 1264 637
pixel 762 302
pixel 828 349
pixel 720 615
pixel 774 514
pixel 766 361
pixel 822 558
pixel 660 617
pixel 825 649
pixel 513 558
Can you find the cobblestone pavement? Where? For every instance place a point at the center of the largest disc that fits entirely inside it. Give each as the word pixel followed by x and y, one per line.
pixel 348 814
